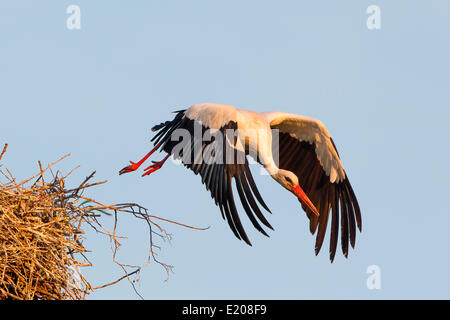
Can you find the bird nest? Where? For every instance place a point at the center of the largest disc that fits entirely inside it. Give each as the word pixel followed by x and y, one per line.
pixel 41 236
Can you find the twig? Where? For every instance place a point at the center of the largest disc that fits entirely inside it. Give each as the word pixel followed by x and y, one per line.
pixel 4 150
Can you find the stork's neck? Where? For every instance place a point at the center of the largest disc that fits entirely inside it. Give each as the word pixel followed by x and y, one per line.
pixel 277 174
pixel 271 167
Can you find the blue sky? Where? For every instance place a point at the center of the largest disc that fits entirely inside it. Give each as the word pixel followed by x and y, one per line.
pixel 383 94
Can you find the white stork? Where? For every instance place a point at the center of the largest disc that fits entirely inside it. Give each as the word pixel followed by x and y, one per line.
pixel 309 166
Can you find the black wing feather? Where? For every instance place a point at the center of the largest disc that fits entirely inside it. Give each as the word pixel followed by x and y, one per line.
pixel 217 176
pixel 337 198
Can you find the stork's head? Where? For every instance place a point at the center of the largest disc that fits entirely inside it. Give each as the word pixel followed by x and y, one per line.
pixel 286 178
pixel 290 181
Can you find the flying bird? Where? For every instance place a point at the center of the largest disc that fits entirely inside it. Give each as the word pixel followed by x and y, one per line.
pixel 214 140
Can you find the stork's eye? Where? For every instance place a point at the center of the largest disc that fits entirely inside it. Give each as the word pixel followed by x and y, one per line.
pixel 288 180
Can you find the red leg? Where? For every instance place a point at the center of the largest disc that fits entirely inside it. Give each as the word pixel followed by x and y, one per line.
pixel 156 166
pixel 135 166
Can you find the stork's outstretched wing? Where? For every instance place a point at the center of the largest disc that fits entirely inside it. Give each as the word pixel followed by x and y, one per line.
pixel 305 148
pixel 208 158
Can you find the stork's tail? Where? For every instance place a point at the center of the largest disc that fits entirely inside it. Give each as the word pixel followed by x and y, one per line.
pixel 167 123
pixel 161 125
pixel 166 128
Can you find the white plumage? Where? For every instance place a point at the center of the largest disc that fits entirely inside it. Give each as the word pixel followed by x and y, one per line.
pixel 215 116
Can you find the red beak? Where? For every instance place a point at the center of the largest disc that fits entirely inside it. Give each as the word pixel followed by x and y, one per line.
pixel 304 199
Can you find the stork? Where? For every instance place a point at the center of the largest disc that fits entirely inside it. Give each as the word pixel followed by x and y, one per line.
pixel 307 165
